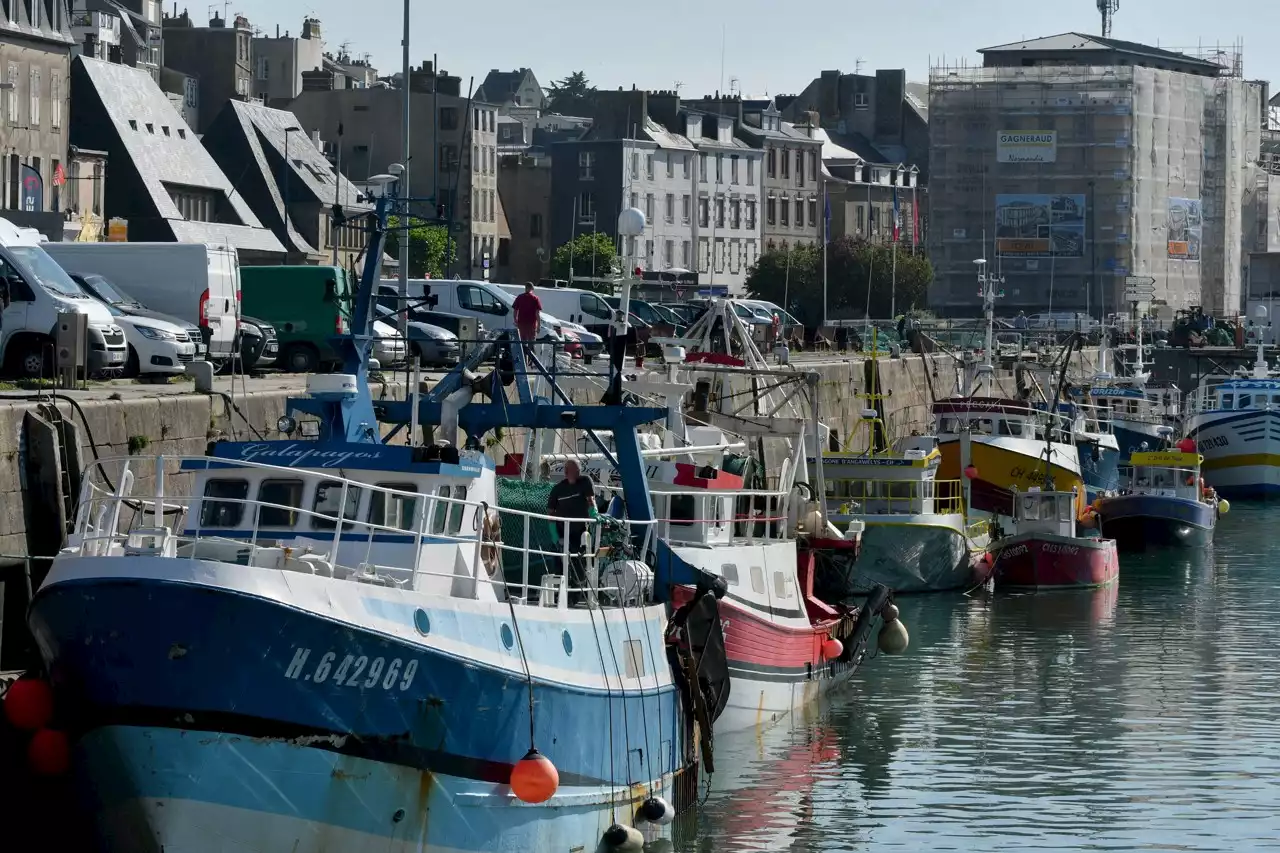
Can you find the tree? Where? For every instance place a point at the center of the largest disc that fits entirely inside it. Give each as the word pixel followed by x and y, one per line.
pixel 431 249
pixel 589 255
pixel 572 96
pixel 853 266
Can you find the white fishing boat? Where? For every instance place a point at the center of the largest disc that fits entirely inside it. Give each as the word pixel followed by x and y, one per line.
pixel 1235 423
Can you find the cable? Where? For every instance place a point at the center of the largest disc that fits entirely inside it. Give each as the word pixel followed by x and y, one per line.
pixel 525 662
pixel 231 403
pixel 613 807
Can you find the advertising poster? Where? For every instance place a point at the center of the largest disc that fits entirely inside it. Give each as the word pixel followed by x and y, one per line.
pixel 1027 146
pixel 1186 225
pixel 1040 226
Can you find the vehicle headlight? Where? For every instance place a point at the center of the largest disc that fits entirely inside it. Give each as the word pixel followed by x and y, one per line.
pixel 155 334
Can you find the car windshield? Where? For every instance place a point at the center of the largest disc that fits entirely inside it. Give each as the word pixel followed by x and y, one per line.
pixel 106 291
pixel 53 278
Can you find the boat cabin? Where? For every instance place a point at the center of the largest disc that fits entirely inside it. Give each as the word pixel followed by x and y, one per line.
pixel 1166 473
pixel 1239 394
pixel 903 484
pixel 988 416
pixel 1038 511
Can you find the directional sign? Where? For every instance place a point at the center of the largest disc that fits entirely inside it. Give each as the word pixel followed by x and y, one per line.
pixel 1140 283
pixel 1131 295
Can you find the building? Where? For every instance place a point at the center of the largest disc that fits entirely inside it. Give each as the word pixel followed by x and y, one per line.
pixel 1074 162
pixel 220 57
pixel 454 158
pixel 82 203
pixel 123 31
pixel 278 63
pixel 792 187
pixel 184 93
pixel 162 180
pixel 697 184
pixel 357 73
pixel 507 89
pixel 35 51
pixel 289 184
pixel 524 189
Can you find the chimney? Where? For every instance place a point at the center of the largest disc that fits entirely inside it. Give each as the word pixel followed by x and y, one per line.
pixel 216 23
pixel 311 28
pixel 277 30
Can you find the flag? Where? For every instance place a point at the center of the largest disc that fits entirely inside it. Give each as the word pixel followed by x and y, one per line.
pixel 897 219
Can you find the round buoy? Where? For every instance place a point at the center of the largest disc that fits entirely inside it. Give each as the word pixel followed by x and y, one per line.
pixel 889 612
pixel 534 779
pixel 971 472
pixel 1224 506
pixel 1187 445
pixel 29 704
pixel 49 752
pixel 832 649
pixel 622 839
pixel 893 638
pixel 657 810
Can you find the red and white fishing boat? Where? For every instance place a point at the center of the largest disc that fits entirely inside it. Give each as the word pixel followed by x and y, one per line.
pixel 1046 549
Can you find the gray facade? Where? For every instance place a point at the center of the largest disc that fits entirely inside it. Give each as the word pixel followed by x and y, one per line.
pixel 219 56
pixel 524 187
pixel 278 63
pixel 35 55
pixel 455 155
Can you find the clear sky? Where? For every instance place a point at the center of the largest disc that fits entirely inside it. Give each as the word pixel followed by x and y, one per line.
pixel 770 46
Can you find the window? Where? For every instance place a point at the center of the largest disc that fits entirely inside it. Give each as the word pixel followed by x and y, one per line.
pixel 669 253
pixel 287 497
pixel 55 102
pixel 671 208
pixel 631 246
pixel 730 574
pixel 735 214
pixel 648 207
pixel 751 171
pixel 448 158
pixel 719 254
pixel 757 580
pixel 394 510
pixel 587 208
pixel 813 211
pixel 704 255
pixel 684 254
pixel 686 208
pixel 589 303
pixel 440 510
pixel 684 165
pixel 476 298
pixel 773 163
pixel 771 211
pixel 329 503
pixel 226 512
pixel 786 163
pixel 648 253
pixel 635 164
pixel 799 213
pixel 35 98
pixel 719 168
pixel 448 118
pixel 813 164
pixel 702 167
pixel 733 169
pixel 648 167
pixel 671 164
pixel 800 167
pixel 635 200
pixel 784 208
pixel 586 165
pixel 860 101
pixel 457 510
pixel 751 213
pixel 535 224
pixel 720 212
pixel 264 68
pixel 12 94
pixel 57 190
pixel 779 585
pixel 703 213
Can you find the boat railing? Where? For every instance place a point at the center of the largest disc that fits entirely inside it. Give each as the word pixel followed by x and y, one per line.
pixel 759 525
pixel 1158 479
pixel 112 519
pixel 1209 396
pixel 896 497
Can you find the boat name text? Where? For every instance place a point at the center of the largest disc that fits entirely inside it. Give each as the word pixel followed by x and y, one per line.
pixel 353 671
pixel 293 455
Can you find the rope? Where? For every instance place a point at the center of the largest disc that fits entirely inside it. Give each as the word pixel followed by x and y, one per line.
pixel 613 809
pixel 525 662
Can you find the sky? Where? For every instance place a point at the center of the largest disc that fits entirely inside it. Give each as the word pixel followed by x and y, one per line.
pixel 756 47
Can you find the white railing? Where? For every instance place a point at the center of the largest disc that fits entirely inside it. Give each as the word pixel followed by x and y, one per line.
pixel 1263 394
pixel 113 521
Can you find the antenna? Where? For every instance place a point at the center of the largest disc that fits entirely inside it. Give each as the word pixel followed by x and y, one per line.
pixel 857 65
pixel 1108 8
pixel 678 85
pixel 733 85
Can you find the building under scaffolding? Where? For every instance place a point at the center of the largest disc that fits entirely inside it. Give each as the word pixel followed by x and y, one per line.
pixel 1073 162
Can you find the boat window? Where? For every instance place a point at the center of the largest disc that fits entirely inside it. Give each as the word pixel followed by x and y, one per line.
pixel 441 514
pixel 1228 401
pixel 456 510
pixel 393 510
pixel 757 580
pixel 730 574
pixel 223 513
pixel 948 425
pixel 283 493
pixel 1244 401
pixel 1031 508
pixel 1010 427
pixel 329 503
pixel 1064 508
pixel 779 585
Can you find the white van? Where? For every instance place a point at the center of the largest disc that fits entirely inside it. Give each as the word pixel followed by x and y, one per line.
pixel 584 307
pixel 195 282
pixel 483 300
pixel 38 291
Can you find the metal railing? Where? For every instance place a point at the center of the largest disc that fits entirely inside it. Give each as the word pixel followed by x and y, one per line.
pixel 896 497
pixel 1209 396
pixel 325 543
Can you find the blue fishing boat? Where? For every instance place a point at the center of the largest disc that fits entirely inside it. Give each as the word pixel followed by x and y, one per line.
pixel 307 644
pixel 1163 502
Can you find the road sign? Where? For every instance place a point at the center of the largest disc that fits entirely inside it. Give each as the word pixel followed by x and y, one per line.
pixel 1131 295
pixel 1139 288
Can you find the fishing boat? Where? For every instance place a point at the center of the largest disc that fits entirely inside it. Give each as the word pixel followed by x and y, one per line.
pixel 302 643
pixel 1142 414
pixel 1096 447
pixel 1235 422
pixel 1163 502
pixel 1046 549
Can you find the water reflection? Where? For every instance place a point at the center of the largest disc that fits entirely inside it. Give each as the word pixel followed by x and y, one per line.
pixel 1142 716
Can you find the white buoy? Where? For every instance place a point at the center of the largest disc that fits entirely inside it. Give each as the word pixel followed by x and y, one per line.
pixel 893 638
pixel 622 839
pixel 889 612
pixel 657 810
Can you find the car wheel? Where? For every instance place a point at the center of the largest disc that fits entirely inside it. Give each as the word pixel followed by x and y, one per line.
pixel 301 358
pixel 31 361
pixel 131 366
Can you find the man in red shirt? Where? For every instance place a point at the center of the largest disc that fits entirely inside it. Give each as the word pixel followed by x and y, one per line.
pixel 528 313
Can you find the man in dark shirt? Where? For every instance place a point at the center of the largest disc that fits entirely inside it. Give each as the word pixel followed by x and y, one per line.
pixel 573 497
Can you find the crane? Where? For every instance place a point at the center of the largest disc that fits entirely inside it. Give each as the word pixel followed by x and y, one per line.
pixel 1108 8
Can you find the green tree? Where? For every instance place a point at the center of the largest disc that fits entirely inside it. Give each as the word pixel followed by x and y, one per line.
pixel 854 267
pixel 589 255
pixel 431 249
pixel 572 96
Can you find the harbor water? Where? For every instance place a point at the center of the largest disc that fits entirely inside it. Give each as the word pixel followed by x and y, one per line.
pixel 1145 716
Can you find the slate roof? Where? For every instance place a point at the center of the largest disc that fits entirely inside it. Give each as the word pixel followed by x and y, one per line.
pixel 263 130
pixel 38 25
pixel 135 115
pixel 1078 42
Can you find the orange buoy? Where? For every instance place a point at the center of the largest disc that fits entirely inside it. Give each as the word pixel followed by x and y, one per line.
pixel 1187 445
pixel 534 779
pixel 29 704
pixel 49 752
pixel 832 649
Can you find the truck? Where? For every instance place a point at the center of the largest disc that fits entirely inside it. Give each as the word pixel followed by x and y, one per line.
pixel 196 282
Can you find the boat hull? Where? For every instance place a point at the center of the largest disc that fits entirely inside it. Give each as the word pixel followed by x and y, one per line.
pixel 1138 521
pixel 915 554
pixel 1036 560
pixel 247 690
pixel 1099 467
pixel 1241 451
pixel 1005 463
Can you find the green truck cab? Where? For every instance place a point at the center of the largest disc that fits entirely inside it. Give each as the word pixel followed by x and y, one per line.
pixel 307 305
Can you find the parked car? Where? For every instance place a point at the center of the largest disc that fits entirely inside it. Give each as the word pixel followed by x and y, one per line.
pixel 158 349
pixel 432 345
pixel 195 282
pixel 486 302
pixel 420 311
pixel 259 345
pixel 389 346
pixel 103 289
